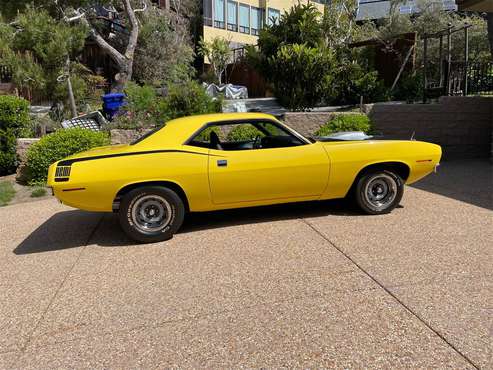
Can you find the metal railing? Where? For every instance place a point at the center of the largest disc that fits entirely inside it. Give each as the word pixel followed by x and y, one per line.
pixel 5 74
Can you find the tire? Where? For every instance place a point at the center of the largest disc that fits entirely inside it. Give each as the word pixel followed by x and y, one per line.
pixel 151 214
pixel 379 191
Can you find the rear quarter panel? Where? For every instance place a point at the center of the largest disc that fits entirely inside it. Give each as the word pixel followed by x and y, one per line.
pixel 348 159
pixel 102 178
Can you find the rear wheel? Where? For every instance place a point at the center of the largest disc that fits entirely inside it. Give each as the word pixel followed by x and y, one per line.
pixel 151 214
pixel 379 191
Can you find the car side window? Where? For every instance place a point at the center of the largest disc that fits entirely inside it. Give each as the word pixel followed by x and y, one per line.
pixel 244 136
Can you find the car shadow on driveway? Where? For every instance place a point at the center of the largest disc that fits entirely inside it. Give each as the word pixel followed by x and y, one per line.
pixel 63 230
pixel 73 229
pixel 241 216
pixel 469 181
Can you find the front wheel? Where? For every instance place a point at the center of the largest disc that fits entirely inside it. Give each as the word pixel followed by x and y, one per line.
pixel 379 191
pixel 151 214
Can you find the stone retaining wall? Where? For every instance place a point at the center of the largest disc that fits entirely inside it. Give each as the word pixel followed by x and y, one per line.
pixel 119 136
pixel 21 149
pixel 307 123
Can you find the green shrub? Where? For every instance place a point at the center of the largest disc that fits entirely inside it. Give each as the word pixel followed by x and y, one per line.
pixel 14 118
pixel 409 88
pixel 14 113
pixel 140 98
pixel 141 108
pixel 38 192
pixel 243 133
pixel 206 134
pixel 187 99
pixel 8 157
pixel 351 82
pixel 346 122
pixel 59 145
pixel 300 75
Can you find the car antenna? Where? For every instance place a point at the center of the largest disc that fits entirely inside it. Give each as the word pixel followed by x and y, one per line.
pixel 412 136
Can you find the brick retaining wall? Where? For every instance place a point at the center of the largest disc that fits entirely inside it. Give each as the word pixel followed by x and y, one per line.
pixel 461 125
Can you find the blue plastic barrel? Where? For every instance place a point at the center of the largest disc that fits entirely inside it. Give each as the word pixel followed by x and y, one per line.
pixel 112 103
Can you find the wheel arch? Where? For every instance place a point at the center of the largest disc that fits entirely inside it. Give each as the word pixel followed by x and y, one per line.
pixel 401 168
pixel 164 183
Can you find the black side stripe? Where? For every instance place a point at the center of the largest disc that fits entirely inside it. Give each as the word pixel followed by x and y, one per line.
pixel 69 162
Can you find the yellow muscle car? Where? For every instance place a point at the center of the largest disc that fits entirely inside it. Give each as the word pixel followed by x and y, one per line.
pixel 220 161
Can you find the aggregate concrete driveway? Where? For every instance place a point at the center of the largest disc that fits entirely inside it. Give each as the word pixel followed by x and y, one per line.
pixel 306 285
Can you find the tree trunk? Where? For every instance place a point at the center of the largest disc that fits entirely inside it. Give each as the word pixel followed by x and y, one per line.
pixel 490 31
pixel 71 98
pixel 123 61
pixel 123 76
pixel 132 45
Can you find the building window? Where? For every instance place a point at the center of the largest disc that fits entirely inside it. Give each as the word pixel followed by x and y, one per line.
pixel 257 20
pixel 208 13
pixel 219 13
pixel 232 16
pixel 244 18
pixel 273 16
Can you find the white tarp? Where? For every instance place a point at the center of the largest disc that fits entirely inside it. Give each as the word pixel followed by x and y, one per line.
pixel 229 91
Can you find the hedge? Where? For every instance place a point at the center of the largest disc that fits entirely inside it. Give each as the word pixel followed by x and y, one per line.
pixel 243 133
pixel 56 146
pixel 346 122
pixel 14 117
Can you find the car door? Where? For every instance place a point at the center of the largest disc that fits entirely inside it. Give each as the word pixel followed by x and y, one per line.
pixel 268 173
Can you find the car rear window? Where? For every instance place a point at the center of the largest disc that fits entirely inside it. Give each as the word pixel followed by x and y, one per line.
pixel 147 134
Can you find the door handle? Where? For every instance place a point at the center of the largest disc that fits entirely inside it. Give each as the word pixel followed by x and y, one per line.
pixel 222 163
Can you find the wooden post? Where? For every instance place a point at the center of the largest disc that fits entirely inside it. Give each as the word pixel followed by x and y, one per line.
pixel 449 58
pixel 466 59
pixel 440 60
pixel 425 67
pixel 402 68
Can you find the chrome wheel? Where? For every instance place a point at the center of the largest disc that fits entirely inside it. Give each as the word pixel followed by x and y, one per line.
pixel 151 213
pixel 380 191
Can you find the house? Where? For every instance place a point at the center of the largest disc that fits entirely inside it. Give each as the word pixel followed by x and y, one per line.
pixel 240 21
pixel 377 9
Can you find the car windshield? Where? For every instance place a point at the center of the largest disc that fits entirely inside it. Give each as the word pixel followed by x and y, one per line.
pixel 147 134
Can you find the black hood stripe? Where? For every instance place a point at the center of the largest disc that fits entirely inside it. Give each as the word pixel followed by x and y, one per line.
pixel 68 162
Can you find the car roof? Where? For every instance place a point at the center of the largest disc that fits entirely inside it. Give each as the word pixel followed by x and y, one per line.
pixel 199 120
pixel 178 130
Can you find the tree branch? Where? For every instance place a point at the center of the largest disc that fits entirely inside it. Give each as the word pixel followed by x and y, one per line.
pixel 103 44
pixel 134 34
pixel 143 9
